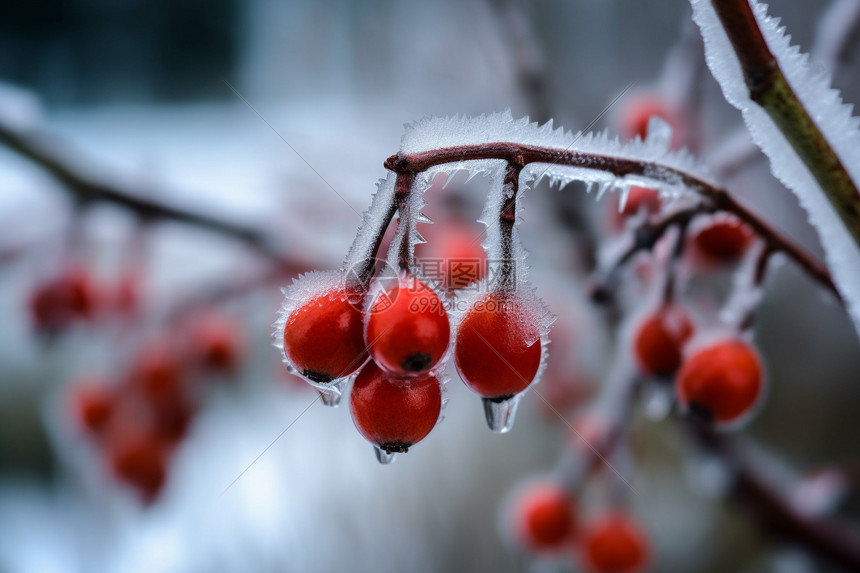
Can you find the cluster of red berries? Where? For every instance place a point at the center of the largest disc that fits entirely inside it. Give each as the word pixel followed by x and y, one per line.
pixel 138 422
pixel 75 296
pixel 722 380
pixel 395 339
pixel 546 523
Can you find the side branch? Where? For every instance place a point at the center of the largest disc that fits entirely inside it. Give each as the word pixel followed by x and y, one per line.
pixel 87 189
pixel 751 489
pixel 769 88
pixel 521 155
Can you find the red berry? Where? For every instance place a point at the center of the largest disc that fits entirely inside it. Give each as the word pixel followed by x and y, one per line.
pixel 660 339
pixel 453 255
pixel 544 518
pixel 140 460
pixel 724 239
pixel 59 302
pixel 635 118
pixel 642 198
pixel 392 413
pixel 614 543
pixel 407 328
pixel 125 295
pixel 157 372
pixel 94 406
pixel 216 344
pixel 498 350
pixel 723 379
pixel 323 338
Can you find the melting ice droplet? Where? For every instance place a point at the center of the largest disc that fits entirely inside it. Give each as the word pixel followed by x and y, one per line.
pixel 501 413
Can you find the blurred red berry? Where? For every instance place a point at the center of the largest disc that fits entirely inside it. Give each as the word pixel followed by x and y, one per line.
pixel 216 343
pixel 452 255
pixel 157 372
pixel 323 338
pixel 140 460
pixel 724 239
pixel 660 339
pixel 637 114
pixel 63 300
pixel 723 379
pixel 544 518
pixel 407 328
pixel 125 293
pixel 393 414
pixel 498 349
pixel 615 543
pixel 94 405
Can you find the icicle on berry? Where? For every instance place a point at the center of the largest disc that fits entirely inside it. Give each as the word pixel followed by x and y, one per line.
pixel 393 414
pixel 659 340
pixel 722 380
pixel 498 353
pixel 406 327
pixel 320 330
pixel 724 238
pixel 615 543
pixel 544 518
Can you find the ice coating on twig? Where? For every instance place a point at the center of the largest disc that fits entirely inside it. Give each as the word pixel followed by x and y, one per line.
pixel 455 131
pixel 824 105
pixel 375 217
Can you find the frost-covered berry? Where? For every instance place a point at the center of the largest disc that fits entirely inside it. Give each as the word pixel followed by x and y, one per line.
pixel 323 338
pixel 723 380
pixel 723 239
pixel 392 413
pixel 614 543
pixel 659 340
pixel 544 518
pixel 406 327
pixel 498 348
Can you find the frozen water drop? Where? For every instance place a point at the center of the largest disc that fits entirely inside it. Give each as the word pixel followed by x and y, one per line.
pixel 659 132
pixel 622 200
pixel 384 457
pixel 332 392
pixel 501 413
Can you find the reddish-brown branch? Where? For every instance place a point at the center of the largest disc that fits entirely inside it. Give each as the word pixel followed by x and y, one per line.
pixel 520 154
pixel 86 189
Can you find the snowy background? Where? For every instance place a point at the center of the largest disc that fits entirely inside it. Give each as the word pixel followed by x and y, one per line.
pixel 136 90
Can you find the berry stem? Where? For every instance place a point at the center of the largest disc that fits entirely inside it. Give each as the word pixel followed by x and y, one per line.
pixel 403 189
pixel 507 221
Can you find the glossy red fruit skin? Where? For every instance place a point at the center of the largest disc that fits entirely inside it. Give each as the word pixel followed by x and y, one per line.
pixel 323 338
pixel 94 406
pixel 496 355
pixel 723 379
pixel 140 460
pixel 544 518
pixel 615 543
pixel 659 341
pixel 407 330
pixel 392 413
pixel 723 240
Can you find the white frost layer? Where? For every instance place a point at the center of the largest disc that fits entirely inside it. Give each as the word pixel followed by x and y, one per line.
pixel 454 131
pixel 824 105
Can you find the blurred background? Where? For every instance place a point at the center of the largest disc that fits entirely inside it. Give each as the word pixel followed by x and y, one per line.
pixel 167 166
